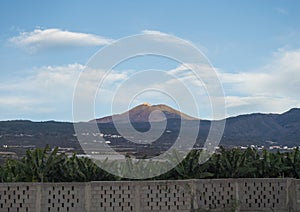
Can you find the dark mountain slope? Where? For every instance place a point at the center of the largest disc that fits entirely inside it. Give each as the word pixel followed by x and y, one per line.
pixel 240 130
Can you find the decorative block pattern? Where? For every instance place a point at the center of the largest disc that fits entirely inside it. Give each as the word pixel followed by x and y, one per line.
pixel 165 196
pixel 258 194
pixel 215 194
pixel 296 195
pixel 135 196
pixel 63 197
pixel 112 196
pixel 17 197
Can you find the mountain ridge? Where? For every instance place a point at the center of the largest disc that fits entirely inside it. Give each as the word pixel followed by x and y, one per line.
pixel 242 130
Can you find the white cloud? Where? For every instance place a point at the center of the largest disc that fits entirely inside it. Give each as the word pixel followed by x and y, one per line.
pixel 237 105
pixel 53 37
pixel 167 38
pixel 154 32
pixel 48 90
pixel 271 88
pixel 58 80
pixel 50 79
pixel 15 101
pixel 259 103
pixel 44 91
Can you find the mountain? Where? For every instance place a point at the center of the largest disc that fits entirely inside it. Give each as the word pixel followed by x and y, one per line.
pixel 284 129
pixel 261 129
pixel 145 113
pixel 256 128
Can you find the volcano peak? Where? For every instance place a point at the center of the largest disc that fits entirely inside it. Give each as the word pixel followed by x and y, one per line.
pixel 141 113
pixel 147 104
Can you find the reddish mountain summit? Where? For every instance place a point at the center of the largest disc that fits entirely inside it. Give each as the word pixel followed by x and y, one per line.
pixel 145 113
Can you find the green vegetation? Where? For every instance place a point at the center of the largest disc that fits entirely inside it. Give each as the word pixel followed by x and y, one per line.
pixel 44 165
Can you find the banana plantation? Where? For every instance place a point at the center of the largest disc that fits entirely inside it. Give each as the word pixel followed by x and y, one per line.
pixel 46 165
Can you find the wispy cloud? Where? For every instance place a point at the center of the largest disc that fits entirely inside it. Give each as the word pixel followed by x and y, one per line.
pixel 48 91
pixel 16 101
pixel 154 32
pixel 166 37
pixel 53 37
pixel 271 88
pixel 45 90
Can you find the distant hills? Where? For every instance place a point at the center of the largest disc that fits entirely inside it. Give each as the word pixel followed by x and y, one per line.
pixel 256 128
pixel 242 130
pixel 284 129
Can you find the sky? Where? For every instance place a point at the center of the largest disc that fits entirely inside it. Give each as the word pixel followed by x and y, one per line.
pixel 254 47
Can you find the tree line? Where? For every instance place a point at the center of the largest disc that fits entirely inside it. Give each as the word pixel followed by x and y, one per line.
pixel 46 165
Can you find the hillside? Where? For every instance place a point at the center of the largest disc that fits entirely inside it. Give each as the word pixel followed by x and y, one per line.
pixel 284 129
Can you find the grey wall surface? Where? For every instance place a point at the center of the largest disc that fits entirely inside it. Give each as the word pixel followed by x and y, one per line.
pixel 181 195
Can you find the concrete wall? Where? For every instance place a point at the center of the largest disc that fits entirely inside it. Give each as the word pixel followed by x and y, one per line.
pixel 181 195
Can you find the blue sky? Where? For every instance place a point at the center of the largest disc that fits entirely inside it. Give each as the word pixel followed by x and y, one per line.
pixel 254 46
